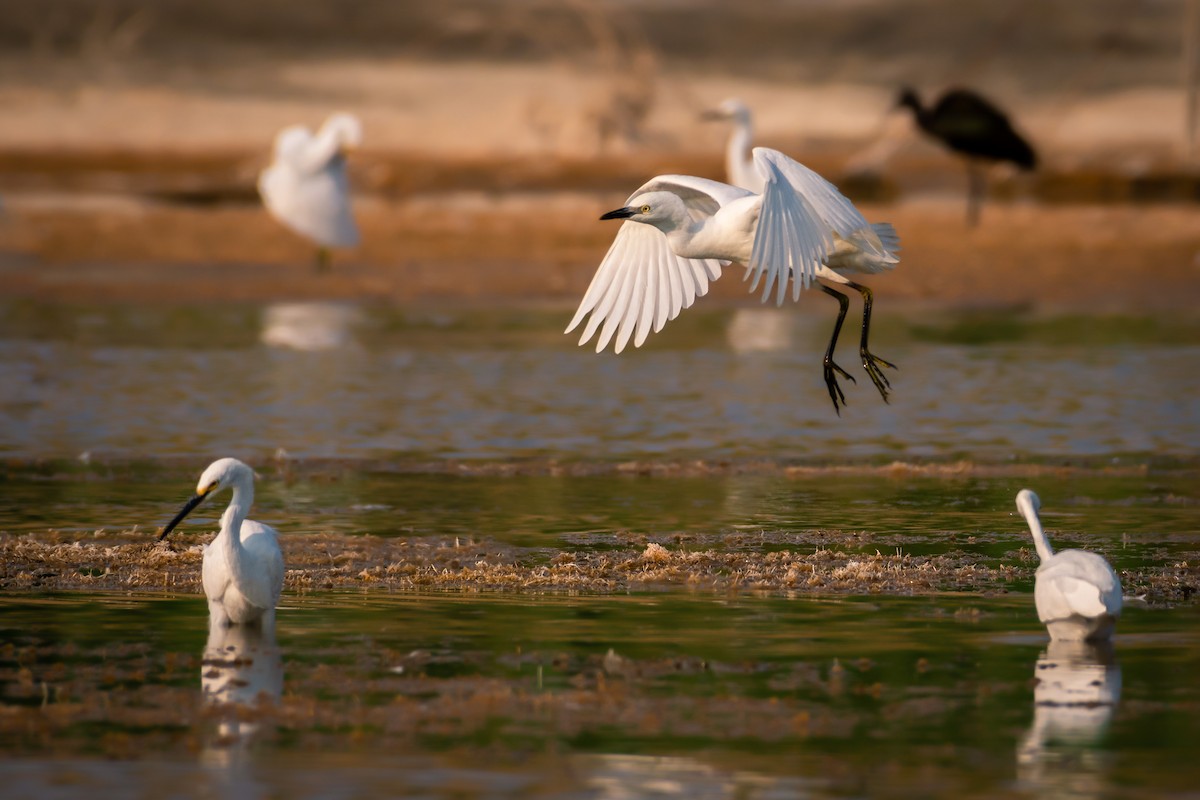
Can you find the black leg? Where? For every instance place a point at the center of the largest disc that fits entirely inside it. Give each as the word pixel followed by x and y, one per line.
pixel 871 363
pixel 832 370
pixel 976 189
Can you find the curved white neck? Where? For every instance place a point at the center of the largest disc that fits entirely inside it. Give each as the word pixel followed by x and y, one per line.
pixel 1044 550
pixel 235 514
pixel 737 151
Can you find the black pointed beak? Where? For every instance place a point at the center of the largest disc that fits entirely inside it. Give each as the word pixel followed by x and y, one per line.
pixel 620 213
pixel 183 512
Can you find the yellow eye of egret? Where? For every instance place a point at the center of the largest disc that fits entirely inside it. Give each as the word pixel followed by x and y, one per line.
pixel 645 209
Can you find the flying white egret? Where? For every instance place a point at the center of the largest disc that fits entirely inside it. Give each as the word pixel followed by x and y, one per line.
pixel 243 568
pixel 739 166
pixel 680 230
pixel 1077 593
pixel 306 186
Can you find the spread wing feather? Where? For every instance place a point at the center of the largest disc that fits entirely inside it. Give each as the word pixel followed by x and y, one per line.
pixel 800 213
pixel 640 285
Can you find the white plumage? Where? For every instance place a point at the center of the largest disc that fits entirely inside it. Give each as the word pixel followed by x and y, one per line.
pixel 306 186
pixel 681 229
pixel 1077 593
pixel 739 166
pixel 243 566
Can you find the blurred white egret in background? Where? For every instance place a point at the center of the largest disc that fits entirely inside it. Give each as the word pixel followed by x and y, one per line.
pixel 1077 593
pixel 760 330
pixel 306 186
pixel 681 229
pixel 243 567
pixel 739 165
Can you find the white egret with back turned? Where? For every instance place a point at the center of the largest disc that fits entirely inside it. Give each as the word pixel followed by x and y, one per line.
pixel 679 230
pixel 243 567
pixel 306 186
pixel 1077 593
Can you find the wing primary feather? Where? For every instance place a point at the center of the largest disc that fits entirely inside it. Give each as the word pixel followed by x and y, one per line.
pixel 688 283
pixel 617 312
pixel 663 312
pixel 610 266
pixel 633 307
pixel 677 293
pixel 648 304
pixel 606 303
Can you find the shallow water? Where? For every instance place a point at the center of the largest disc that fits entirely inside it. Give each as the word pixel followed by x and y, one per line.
pixel 593 697
pixel 492 427
pixel 324 380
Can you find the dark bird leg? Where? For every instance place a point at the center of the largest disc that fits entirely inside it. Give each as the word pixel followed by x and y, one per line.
pixel 871 363
pixel 976 189
pixel 324 259
pixel 831 383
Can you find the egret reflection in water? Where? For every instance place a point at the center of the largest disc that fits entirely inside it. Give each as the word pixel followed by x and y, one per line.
pixel 761 330
pixel 241 675
pixel 1078 688
pixel 309 326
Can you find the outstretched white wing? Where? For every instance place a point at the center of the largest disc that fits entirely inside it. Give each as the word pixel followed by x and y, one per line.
pixel 640 285
pixel 800 211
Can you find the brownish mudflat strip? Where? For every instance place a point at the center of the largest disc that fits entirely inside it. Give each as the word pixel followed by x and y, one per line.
pixel 544 248
pixel 812 562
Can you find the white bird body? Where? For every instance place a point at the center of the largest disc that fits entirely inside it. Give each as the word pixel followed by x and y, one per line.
pixel 243 566
pixel 1076 592
pixel 306 187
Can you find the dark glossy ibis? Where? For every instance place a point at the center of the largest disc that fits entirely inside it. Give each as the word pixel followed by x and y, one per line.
pixel 970 125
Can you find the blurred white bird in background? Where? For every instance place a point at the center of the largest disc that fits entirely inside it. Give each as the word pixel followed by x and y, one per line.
pixel 680 229
pixel 739 165
pixel 1077 593
pixel 243 567
pixel 306 186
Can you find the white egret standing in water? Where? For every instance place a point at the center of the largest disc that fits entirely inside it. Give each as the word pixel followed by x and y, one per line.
pixel 680 229
pixel 306 186
pixel 1077 593
pixel 243 567
pixel 739 166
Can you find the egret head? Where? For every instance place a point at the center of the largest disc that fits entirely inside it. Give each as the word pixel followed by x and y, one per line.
pixel 663 210
pixel 221 474
pixel 907 98
pixel 731 108
pixel 346 128
pixel 1027 499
